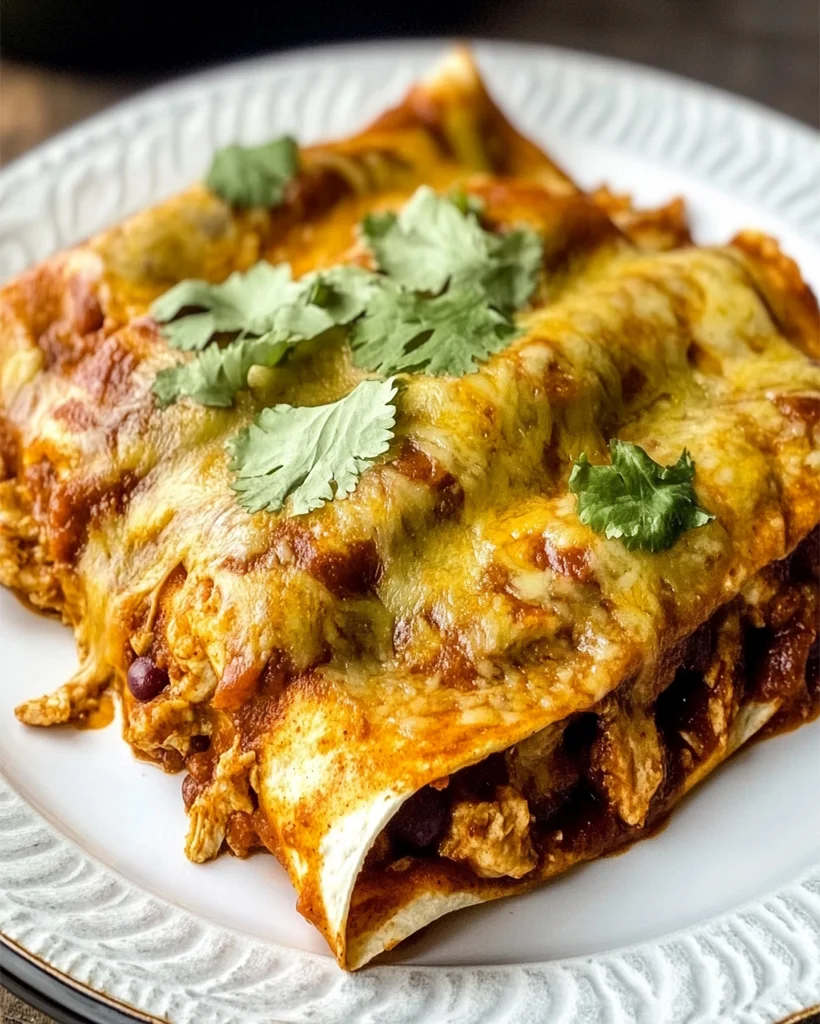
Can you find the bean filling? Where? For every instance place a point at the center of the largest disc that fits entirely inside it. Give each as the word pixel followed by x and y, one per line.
pixel 146 680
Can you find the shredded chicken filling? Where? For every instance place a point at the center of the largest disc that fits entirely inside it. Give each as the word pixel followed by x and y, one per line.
pixel 601 777
pixel 492 836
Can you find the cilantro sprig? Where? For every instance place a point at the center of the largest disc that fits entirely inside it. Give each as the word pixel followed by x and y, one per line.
pixel 263 299
pixel 272 312
pixel 448 334
pixel 646 505
pixel 217 374
pixel 436 241
pixel 447 290
pixel 254 175
pixel 312 454
pixel 440 303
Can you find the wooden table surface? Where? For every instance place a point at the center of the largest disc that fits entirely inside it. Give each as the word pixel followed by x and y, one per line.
pixel 764 49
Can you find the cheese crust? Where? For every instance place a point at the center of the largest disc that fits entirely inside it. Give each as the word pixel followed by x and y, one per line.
pixel 325 668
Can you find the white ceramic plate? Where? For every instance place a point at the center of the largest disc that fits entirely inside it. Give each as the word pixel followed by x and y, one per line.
pixel 93 881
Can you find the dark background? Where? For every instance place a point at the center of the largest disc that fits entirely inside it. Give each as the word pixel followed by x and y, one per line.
pixel 64 59
pixel 61 60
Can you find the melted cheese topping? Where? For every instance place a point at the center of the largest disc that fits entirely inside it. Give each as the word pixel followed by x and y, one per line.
pixel 453 604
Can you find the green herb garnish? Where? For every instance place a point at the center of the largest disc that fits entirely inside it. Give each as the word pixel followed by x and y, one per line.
pixel 271 311
pixel 435 241
pixel 646 505
pixel 344 292
pixel 445 335
pixel 217 374
pixel 263 299
pixel 254 175
pixel 312 454
pixel 441 304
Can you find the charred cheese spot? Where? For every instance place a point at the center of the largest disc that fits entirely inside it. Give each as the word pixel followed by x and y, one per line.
pixel 454 663
pixel 86 311
pixel 416 465
pixel 803 409
pixel 107 372
pixel 573 562
pixel 703 360
pixel 60 296
pixel 75 505
pixel 76 415
pixel 348 572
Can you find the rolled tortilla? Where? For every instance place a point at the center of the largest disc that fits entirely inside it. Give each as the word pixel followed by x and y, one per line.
pixel 444 688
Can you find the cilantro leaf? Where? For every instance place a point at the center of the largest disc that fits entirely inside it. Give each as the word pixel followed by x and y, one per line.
pixel 263 299
pixel 427 243
pixel 254 175
pixel 435 241
pixel 265 302
pixel 301 453
pixel 516 259
pixel 446 335
pixel 215 376
pixel 646 505
pixel 191 333
pixel 344 291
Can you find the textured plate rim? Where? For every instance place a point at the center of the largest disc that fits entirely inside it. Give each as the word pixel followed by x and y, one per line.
pixel 32 979
pixel 180 87
pixel 734 967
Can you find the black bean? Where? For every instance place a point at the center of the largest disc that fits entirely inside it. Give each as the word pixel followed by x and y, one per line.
pixel 422 819
pixel 145 679
pixel 190 790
